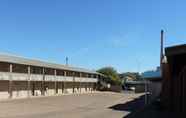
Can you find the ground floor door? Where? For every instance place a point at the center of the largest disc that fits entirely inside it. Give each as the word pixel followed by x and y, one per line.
pixel 33 88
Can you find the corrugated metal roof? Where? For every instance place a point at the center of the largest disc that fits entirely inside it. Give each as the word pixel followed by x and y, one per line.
pixel 34 62
pixel 152 74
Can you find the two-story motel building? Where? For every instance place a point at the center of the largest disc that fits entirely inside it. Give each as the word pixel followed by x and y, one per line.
pixel 21 77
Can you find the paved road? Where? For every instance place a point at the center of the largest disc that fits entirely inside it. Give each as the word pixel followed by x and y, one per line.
pixel 96 105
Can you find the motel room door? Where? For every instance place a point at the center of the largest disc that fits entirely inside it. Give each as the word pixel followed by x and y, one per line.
pixel 33 88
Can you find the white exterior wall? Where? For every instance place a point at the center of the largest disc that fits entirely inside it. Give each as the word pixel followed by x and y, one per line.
pixel 77 90
pixel 20 94
pixel 69 90
pixel 4 95
pixel 50 92
pixel 60 91
pixel 83 90
pixel 37 93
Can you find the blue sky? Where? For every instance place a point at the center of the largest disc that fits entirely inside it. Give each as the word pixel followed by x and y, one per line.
pixel 92 33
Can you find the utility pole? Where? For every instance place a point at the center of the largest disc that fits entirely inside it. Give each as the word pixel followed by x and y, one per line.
pixel 66 61
pixel 161 63
pixel 161 49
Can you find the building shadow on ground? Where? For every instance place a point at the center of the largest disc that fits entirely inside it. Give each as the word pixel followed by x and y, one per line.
pixel 131 106
pixel 137 109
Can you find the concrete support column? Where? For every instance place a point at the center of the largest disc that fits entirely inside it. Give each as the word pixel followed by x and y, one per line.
pixel 92 85
pixel 87 84
pixel 56 87
pixel 10 82
pixel 43 82
pixel 98 79
pixel 73 82
pixel 80 82
pixel 28 82
pixel 64 86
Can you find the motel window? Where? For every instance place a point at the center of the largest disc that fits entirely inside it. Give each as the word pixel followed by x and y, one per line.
pixel 60 72
pixel 95 76
pixel 36 70
pixel 89 75
pixel 67 73
pixel 84 75
pixel 49 71
pixel 77 74
pixel 70 73
pixel 18 68
pixel 4 67
pixel 99 76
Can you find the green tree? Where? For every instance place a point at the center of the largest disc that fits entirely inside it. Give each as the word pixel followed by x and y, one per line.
pixel 111 75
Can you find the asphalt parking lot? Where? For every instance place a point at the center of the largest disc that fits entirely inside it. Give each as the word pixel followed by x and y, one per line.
pixel 95 105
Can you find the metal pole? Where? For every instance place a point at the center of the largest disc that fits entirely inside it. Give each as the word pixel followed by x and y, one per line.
pixel 66 61
pixel 161 49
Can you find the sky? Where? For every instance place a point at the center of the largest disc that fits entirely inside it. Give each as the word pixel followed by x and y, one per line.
pixel 124 34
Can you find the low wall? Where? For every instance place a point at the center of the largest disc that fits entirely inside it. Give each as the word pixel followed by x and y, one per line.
pixel 115 88
pixel 140 88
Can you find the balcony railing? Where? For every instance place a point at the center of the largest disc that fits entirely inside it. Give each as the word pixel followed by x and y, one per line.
pixel 4 76
pixel 39 77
